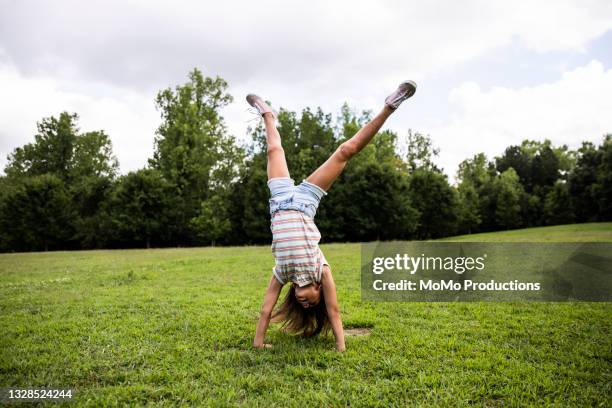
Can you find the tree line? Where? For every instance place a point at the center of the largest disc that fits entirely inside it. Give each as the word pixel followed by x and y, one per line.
pixel 201 187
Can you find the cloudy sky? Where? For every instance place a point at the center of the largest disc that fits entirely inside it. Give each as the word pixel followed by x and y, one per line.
pixel 489 73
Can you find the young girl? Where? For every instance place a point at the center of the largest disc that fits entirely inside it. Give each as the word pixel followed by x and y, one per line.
pixel 310 306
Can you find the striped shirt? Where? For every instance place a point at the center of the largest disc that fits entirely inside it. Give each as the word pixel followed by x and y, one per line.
pixel 295 245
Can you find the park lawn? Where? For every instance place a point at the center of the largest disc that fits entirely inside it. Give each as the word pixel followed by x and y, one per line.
pixel 175 326
pixel 592 232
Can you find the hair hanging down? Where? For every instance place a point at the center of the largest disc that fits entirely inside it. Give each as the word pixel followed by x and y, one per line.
pixel 306 322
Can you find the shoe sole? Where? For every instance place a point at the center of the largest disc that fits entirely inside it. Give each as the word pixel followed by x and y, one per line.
pixel 412 84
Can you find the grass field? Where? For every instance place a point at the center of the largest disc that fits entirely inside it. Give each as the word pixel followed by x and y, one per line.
pixel 175 326
pixel 594 232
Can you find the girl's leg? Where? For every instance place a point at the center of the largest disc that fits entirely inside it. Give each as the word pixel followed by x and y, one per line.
pixel 325 175
pixel 277 165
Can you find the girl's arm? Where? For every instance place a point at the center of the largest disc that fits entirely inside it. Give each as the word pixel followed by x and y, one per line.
pixel 274 289
pixel 333 311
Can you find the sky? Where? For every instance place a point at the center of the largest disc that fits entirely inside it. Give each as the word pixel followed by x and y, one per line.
pixel 490 73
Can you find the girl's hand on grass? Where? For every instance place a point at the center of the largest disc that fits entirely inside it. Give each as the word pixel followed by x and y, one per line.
pixel 263 345
pixel 340 348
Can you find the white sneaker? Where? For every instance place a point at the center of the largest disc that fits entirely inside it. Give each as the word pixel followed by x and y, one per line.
pixel 404 91
pixel 259 104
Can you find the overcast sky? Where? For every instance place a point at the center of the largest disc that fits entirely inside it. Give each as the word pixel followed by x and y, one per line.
pixel 489 73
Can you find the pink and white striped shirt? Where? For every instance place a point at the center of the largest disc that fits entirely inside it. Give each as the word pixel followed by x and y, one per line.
pixel 295 245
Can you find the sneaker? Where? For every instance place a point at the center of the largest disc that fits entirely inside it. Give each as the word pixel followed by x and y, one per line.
pixel 259 104
pixel 404 91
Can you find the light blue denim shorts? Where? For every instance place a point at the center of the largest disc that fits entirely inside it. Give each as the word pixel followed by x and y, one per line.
pixel 285 195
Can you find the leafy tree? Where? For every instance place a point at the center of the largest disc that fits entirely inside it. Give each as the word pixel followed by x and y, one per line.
pixel 192 148
pixel 36 215
pixel 420 153
pixel 518 159
pixel 476 194
pixel 93 156
pixel 212 223
pixel 558 206
pixel 141 210
pixel 582 183
pixel 370 202
pixel 83 162
pixel 545 167
pixel 51 153
pixel 475 171
pixel 603 187
pixel 469 218
pixel 248 210
pixel 436 202
pixel 509 190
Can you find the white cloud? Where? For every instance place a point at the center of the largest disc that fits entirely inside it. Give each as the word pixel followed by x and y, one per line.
pixel 128 117
pixel 575 108
pixel 106 59
pixel 317 44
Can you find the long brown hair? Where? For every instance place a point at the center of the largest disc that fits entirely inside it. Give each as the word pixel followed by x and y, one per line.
pixel 298 320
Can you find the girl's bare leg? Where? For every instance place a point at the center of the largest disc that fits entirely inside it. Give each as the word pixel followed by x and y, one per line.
pixel 327 173
pixel 277 165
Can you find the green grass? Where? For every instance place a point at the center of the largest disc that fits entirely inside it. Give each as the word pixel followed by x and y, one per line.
pixel 593 232
pixel 175 326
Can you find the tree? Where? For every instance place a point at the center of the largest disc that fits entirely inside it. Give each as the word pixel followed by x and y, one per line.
pixel 518 159
pixel 86 167
pixel 603 187
pixel 469 218
pixel 436 202
pixel 420 152
pixel 582 183
pixel 475 190
pixel 141 210
pixel 508 209
pixel 212 222
pixel 370 202
pixel 93 156
pixel 558 206
pixel 248 209
pixel 36 215
pixel 192 148
pixel 474 171
pixel 51 153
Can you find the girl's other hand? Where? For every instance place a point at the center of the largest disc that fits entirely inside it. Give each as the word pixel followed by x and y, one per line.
pixel 264 345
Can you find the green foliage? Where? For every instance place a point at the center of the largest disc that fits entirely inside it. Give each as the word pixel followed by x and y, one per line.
pixel 36 214
pixel 141 210
pixel 370 202
pixel 436 202
pixel 602 190
pixel 558 206
pixel 420 152
pixel 202 188
pixel 93 156
pixel 60 150
pixel 469 209
pixel 583 182
pixel 52 152
pixel 193 151
pixel 72 171
pixel 212 222
pixel 192 138
pixel 509 191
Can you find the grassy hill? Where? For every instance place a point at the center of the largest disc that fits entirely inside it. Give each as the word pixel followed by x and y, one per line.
pixel 591 232
pixel 175 326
